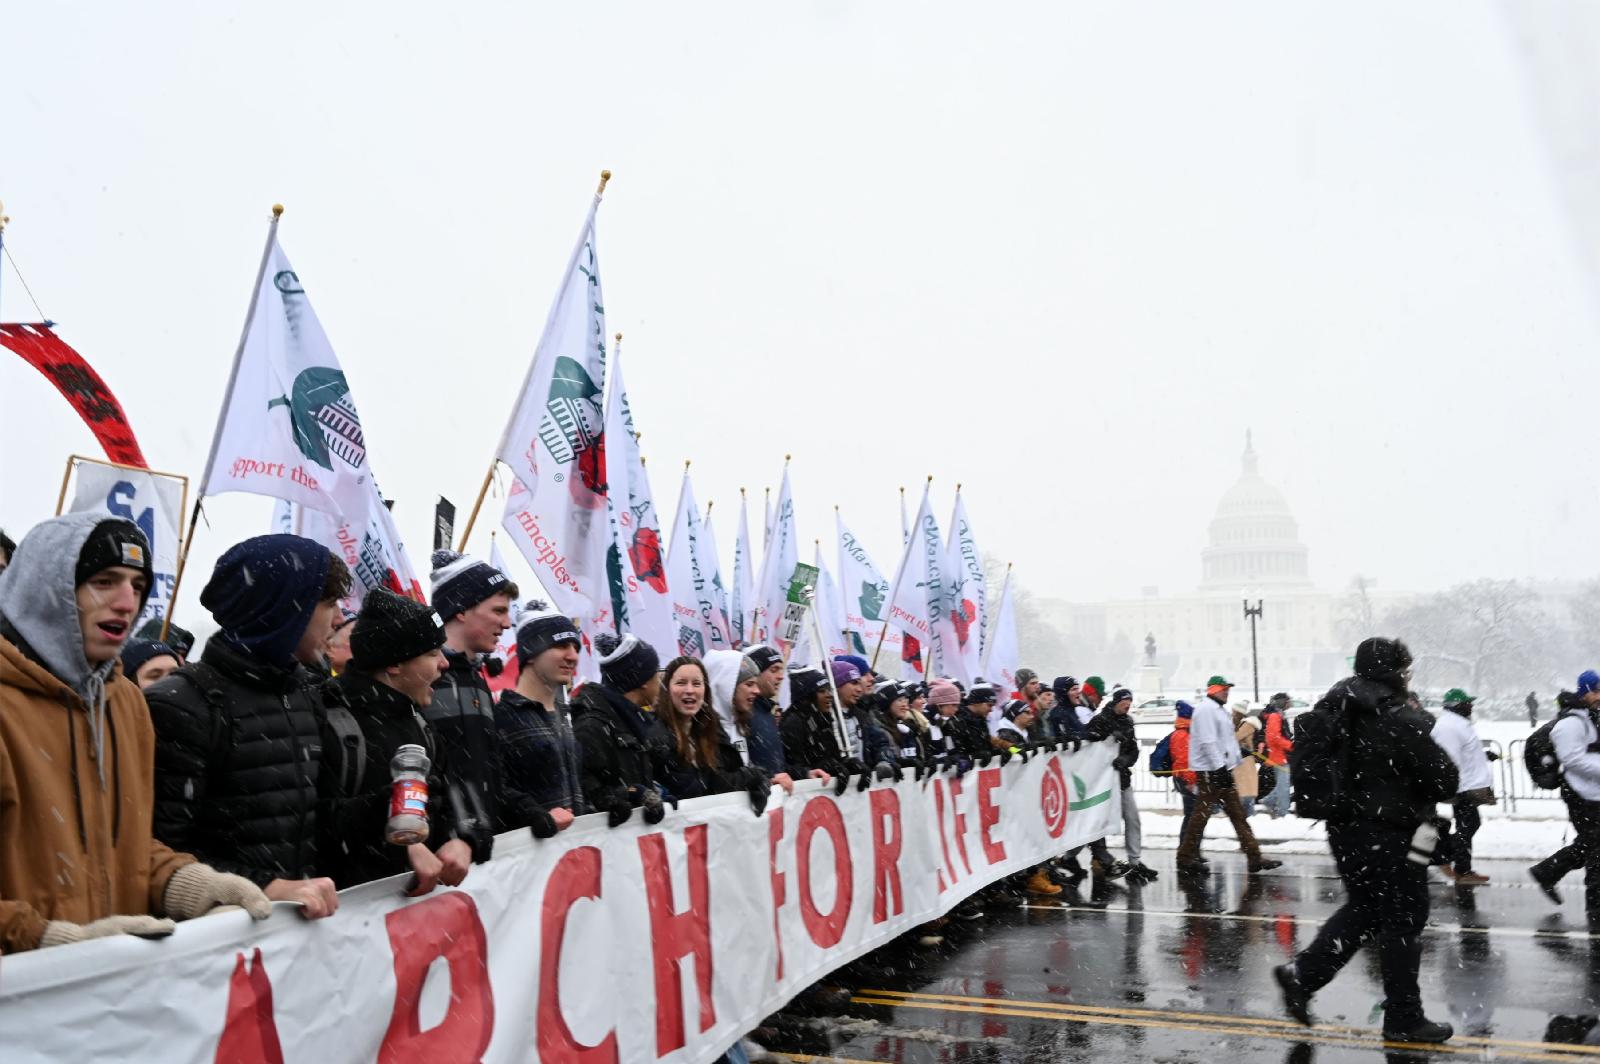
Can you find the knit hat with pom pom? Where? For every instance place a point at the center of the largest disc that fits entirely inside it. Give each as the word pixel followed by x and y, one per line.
pixel 460 583
pixel 626 664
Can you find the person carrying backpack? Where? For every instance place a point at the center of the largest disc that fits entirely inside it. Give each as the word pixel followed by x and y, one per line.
pixel 1459 739
pixel 1575 738
pixel 1364 762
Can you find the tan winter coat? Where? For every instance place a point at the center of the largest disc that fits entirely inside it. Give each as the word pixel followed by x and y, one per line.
pixel 1246 774
pixel 70 848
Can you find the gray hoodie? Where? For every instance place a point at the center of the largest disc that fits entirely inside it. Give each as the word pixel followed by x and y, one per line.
pixel 38 600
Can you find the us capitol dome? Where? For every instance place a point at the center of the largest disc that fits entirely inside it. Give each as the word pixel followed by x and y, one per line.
pixel 1254 539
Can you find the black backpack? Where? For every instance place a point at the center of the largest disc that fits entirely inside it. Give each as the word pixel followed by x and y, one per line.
pixel 1317 764
pixel 1539 752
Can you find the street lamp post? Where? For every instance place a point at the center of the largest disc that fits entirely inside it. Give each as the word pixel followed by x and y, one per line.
pixel 1253 613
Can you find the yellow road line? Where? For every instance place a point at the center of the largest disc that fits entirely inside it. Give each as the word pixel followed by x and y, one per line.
pixel 1268 1021
pixel 1260 1031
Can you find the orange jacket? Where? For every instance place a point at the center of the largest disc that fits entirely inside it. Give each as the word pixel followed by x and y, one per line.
pixel 72 848
pixel 1180 752
pixel 1278 742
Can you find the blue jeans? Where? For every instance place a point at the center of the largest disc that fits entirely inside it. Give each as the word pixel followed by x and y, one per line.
pixel 1278 800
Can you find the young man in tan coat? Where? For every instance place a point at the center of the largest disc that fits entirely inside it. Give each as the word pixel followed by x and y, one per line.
pixel 77 752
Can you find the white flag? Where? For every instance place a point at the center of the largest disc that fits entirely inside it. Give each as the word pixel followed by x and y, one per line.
pixel 372 548
pixel 637 569
pixel 1002 657
pixel 289 429
pixel 740 595
pixel 967 594
pixel 917 604
pixel 699 626
pixel 154 502
pixel 555 445
pixel 864 597
pixel 777 566
pixel 710 559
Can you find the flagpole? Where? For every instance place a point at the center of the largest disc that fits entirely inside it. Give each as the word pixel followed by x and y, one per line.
pixel 3 220
pixel 527 378
pixel 222 414
pixel 894 588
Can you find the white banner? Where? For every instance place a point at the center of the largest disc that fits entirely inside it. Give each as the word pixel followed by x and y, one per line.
pixel 1003 657
pixel 637 943
pixel 153 501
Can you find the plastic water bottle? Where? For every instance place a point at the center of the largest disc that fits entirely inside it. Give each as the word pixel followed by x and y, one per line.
pixel 408 800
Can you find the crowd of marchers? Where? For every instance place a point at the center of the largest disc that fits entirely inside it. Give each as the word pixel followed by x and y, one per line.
pixel 141 784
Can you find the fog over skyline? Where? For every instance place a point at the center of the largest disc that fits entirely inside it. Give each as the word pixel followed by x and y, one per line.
pixel 1064 255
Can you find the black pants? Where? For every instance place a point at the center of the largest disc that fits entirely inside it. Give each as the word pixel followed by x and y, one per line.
pixel 1467 823
pixel 1386 904
pixel 1583 852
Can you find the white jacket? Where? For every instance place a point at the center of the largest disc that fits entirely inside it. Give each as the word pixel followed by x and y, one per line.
pixel 1572 736
pixel 722 669
pixel 1211 741
pixel 1456 736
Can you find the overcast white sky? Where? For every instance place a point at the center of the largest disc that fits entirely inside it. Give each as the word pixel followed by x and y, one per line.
pixel 1063 253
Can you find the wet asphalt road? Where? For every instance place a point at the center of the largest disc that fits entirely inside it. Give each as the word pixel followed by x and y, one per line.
pixel 1172 973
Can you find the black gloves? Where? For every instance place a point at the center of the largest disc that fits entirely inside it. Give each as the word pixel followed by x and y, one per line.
pixel 541 824
pixel 652 805
pixel 1491 755
pixel 759 786
pixel 887 770
pixel 841 781
pixel 853 766
pixel 618 810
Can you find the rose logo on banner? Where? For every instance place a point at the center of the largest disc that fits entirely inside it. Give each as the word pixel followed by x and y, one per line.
pixel 1053 799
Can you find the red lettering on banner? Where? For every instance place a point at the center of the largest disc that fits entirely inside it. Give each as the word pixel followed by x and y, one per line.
pixel 958 822
pixel 821 814
pixel 994 851
pixel 575 877
pixel 448 927
pixel 886 854
pixel 944 843
pixel 249 1035
pixel 674 934
pixel 780 886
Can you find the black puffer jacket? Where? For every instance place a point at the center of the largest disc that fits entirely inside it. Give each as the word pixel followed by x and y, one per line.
pixel 1394 772
pixel 809 742
pixel 462 719
pixel 969 734
pixel 352 845
pixel 238 747
pixel 687 778
pixel 620 746
pixel 1109 724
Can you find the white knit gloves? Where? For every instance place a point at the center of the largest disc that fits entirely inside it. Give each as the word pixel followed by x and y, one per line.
pixel 61 932
pixel 196 889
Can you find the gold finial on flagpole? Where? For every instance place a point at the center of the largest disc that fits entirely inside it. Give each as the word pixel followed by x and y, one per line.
pixel 277 211
pixel 619 338
pixel 786 458
pixel 685 465
pixel 605 175
pixel 958 487
pixel 930 478
pixel 4 217
pixel 709 503
pixel 741 493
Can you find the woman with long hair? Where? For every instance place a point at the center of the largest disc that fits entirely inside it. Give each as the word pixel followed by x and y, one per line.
pixel 700 759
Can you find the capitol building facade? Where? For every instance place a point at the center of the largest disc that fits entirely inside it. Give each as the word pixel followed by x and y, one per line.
pixel 1253 551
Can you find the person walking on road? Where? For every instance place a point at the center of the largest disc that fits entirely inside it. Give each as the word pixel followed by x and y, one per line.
pixel 1279 746
pixel 1576 737
pixel 1372 766
pixel 1247 773
pixel 1213 752
pixel 1533 709
pixel 1454 733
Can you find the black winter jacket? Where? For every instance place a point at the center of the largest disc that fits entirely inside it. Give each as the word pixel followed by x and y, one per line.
pixel 620 746
pixel 809 742
pixel 969 734
pixel 462 719
pixel 539 764
pixel 913 745
pixel 1394 772
pixel 352 845
pixel 1108 724
pixel 687 778
pixel 766 747
pixel 238 750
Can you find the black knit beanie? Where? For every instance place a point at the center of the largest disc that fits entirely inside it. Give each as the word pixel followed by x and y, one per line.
pixel 1382 660
pixel 392 628
pixel 542 628
pixel 764 656
pixel 626 664
pixel 114 542
pixel 460 583
pixel 804 683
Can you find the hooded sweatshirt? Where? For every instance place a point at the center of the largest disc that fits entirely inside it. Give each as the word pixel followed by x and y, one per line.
pixel 75 813
pixel 722 666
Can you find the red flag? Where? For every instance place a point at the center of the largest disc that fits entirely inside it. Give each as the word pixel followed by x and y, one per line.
pixel 41 348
